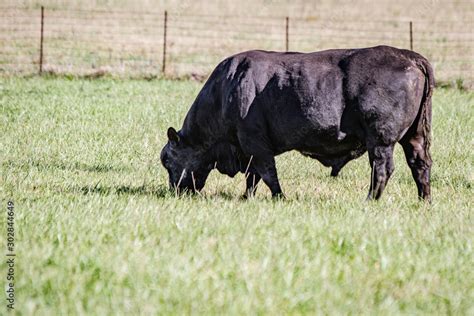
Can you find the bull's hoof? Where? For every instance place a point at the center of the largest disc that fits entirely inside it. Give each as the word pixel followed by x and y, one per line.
pixel 425 198
pixel 278 196
pixel 248 195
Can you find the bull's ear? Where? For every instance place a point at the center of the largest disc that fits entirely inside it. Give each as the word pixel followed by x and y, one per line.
pixel 173 135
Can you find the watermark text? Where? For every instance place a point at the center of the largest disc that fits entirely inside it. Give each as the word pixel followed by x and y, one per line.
pixel 10 256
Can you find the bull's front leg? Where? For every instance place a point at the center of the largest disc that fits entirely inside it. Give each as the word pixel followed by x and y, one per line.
pixel 266 168
pixel 252 179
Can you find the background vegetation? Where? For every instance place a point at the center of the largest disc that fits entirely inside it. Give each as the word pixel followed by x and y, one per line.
pixel 125 38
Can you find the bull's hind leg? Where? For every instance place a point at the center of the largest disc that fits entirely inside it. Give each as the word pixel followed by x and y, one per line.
pixel 381 161
pixel 419 161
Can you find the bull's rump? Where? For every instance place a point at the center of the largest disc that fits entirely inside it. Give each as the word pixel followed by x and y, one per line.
pixel 324 102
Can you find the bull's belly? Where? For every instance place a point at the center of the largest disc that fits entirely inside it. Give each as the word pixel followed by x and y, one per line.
pixel 331 152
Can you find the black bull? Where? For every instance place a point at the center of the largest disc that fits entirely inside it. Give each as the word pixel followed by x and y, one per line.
pixel 332 106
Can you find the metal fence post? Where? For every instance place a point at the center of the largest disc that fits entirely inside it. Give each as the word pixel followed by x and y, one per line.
pixel 287 36
pixel 41 42
pixel 411 35
pixel 165 27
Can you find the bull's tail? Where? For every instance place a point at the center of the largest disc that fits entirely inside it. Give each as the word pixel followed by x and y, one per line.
pixel 424 122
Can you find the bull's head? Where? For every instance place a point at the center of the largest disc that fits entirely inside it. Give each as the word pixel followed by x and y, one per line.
pixel 187 165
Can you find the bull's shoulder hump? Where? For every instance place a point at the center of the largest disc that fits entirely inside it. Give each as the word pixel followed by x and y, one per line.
pixel 255 66
pixel 265 62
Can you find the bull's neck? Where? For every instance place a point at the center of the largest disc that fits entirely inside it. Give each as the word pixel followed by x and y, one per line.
pixel 202 125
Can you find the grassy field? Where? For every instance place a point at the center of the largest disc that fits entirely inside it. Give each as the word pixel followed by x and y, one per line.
pixel 98 232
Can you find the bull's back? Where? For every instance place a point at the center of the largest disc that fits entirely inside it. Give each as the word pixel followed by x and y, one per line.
pixel 288 95
pixel 317 100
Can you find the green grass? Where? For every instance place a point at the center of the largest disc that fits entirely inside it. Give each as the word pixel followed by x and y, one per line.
pixel 98 233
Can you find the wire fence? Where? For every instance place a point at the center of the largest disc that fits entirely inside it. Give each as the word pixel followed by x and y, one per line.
pixel 124 43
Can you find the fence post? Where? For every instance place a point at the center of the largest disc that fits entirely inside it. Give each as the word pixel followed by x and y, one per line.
pixel 41 42
pixel 287 39
pixel 411 35
pixel 165 27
